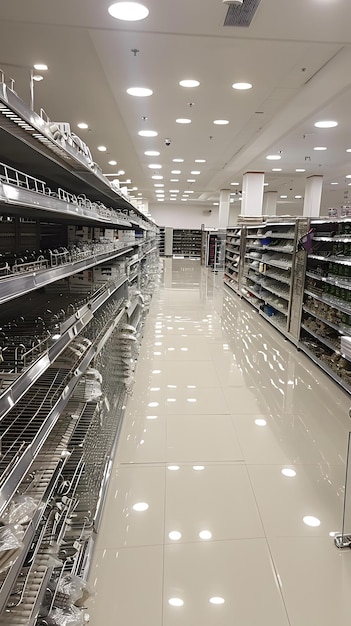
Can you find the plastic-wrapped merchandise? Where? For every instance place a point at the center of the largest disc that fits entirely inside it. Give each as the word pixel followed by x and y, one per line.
pixel 72 616
pixel 20 510
pixel 10 545
pixel 75 589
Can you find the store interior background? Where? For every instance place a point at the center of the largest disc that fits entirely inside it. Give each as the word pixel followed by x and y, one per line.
pixel 295 54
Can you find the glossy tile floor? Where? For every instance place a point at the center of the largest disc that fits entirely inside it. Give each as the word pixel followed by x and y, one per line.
pixel 231 440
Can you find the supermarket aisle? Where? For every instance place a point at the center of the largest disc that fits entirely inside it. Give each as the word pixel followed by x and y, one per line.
pixel 230 440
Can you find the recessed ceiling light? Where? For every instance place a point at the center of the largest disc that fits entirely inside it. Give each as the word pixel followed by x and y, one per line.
pixel 310 520
pixel 128 11
pixel 215 203
pixel 140 92
pixel 189 83
pixel 178 160
pixel 326 124
pixel 348 150
pixel 183 120
pixel 147 133
pixel 205 534
pixel 195 172
pixel 198 468
pixel 176 602
pixel 319 148
pixel 102 148
pixel 260 422
pixel 349 184
pixel 157 177
pixel 234 183
pixel 277 169
pixel 112 162
pixel 242 86
pixel 273 157
pixel 175 535
pixel 140 506
pixel 184 199
pixel 174 191
pixel 191 180
pixel 38 78
pixel 155 166
pixel 174 180
pixel 348 176
pixel 152 153
pixel 200 160
pixel 289 472
pixel 176 172
pixel 264 184
pixel 217 600
pixel 160 200
pixel 189 191
pixel 283 196
pixel 41 67
pixel 221 122
pixel 82 125
pixel 300 169
pixel 334 183
pixel 298 197
pixel 158 185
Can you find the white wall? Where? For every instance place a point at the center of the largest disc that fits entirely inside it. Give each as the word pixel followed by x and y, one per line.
pixel 187 216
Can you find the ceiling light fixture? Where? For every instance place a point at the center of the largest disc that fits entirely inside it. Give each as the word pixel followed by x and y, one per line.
pixel 300 169
pixel 200 160
pixel 195 172
pixel 102 148
pixel 158 185
pixel 319 148
pixel 152 153
pixel 147 133
pixel 174 180
pixel 221 122
pixel 178 160
pixel 326 124
pixel 128 11
pixel 120 173
pixel 155 166
pixel 242 86
pixel 334 183
pixel 82 125
pixel 183 120
pixel 191 180
pixel 273 157
pixel 283 196
pixel 41 67
pixel 298 197
pixel 189 83
pixel 176 172
pixel 277 169
pixel 112 162
pixel 234 183
pixel 139 92
pixel 157 177
pixel 38 78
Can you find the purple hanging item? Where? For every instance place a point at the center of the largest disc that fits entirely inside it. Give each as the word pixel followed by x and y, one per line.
pixel 306 242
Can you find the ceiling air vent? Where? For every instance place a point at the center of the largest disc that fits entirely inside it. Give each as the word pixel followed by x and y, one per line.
pixel 241 14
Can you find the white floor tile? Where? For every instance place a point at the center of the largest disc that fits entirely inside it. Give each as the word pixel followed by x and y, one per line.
pixel 178 401
pixel 143 440
pixel 126 593
pixel 183 374
pixel 142 487
pixel 210 504
pixel 201 438
pixel 285 501
pixel 194 573
pixel 316 580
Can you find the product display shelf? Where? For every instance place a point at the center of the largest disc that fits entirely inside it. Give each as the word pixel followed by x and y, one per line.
pixel 70 265
pixel 187 243
pixel 326 312
pixel 232 258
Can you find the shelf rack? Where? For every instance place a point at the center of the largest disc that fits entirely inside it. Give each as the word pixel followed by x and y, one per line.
pixel 75 267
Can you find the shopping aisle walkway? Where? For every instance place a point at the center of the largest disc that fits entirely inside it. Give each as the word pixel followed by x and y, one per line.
pixel 230 440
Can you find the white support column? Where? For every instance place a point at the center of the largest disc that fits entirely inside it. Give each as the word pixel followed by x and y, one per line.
pixel 234 212
pixel 313 195
pixel 270 203
pixel 252 194
pixel 223 213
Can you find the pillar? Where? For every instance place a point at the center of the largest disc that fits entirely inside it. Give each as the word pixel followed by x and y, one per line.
pixel 252 194
pixel 313 195
pixel 224 205
pixel 235 211
pixel 270 203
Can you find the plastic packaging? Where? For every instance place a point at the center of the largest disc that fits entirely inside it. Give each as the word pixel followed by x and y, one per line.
pixel 20 510
pixel 10 545
pixel 66 617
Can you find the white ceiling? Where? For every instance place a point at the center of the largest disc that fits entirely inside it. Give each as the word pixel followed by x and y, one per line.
pixel 296 53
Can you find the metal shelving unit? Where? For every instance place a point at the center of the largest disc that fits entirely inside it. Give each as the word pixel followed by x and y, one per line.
pixel 75 268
